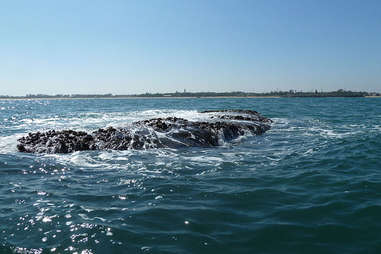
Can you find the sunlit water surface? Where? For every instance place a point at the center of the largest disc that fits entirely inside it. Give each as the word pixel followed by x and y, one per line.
pixel 312 184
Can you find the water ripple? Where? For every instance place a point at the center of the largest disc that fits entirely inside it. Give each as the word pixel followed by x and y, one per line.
pixel 311 184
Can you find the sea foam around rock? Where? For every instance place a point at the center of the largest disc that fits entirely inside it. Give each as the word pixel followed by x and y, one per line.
pixel 169 132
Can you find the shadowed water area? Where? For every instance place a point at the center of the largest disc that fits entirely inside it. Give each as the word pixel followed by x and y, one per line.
pixel 310 184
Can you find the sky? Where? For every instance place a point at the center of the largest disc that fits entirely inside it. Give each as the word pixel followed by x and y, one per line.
pixel 129 47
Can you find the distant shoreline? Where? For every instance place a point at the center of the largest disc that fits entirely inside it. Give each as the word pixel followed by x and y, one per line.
pixel 199 95
pixel 177 97
pixel 134 97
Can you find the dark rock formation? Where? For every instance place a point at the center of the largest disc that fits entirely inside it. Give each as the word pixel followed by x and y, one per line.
pixel 171 132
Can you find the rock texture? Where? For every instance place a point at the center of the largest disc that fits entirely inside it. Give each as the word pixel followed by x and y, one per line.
pixel 171 132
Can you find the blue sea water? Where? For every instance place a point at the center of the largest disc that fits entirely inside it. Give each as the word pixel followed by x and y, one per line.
pixel 312 184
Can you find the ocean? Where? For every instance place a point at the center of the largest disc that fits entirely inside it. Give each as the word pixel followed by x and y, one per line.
pixel 311 184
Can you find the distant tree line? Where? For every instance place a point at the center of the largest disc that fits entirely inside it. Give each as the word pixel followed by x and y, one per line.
pixel 290 93
pixel 338 93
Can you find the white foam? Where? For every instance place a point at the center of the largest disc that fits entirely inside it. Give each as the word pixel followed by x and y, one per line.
pixel 8 143
pixel 377 128
pixel 205 159
pixel 87 121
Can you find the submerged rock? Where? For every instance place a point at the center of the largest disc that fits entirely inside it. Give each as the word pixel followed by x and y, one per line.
pixel 170 132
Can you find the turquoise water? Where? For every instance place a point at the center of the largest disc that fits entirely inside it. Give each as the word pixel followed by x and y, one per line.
pixel 312 184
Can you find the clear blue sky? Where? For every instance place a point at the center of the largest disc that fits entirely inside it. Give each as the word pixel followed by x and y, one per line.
pixel 124 47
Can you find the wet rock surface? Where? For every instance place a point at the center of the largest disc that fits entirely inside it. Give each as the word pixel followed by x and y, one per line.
pixel 170 132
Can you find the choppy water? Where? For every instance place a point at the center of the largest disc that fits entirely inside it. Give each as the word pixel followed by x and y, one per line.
pixel 312 184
